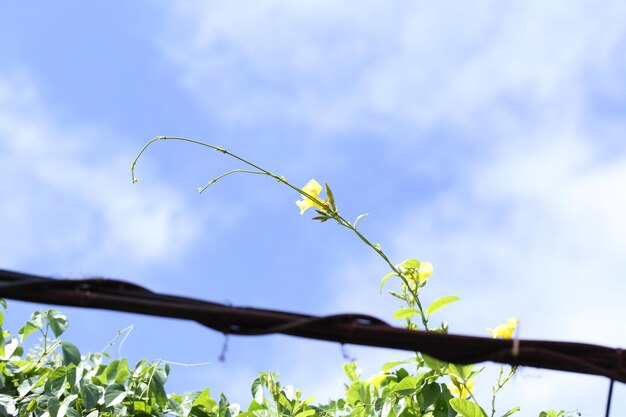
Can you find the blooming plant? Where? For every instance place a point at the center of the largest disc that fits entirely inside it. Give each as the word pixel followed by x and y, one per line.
pixel 53 379
pixel 413 387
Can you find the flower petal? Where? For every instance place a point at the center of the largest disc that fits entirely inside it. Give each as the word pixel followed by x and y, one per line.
pixel 313 189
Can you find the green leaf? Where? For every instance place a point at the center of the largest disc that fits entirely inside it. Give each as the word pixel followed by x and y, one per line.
pixel 10 348
pixel 226 409
pixel 398 295
pixel 359 391
pixel 157 383
pixel 71 412
pixel 351 371
pixel 28 384
pixel 57 321
pixel 65 405
pixel 358 218
pixel 31 405
pixel 91 395
pixel 441 303
pixel 320 218
pixel 430 393
pixel 306 413
pixel 114 394
pixel 407 386
pixel 385 278
pixel 285 406
pixel 464 372
pixel 401 374
pixel 331 197
pixel 511 411
pixel 110 372
pixel 8 403
pixel 204 400
pixel 26 330
pixel 467 408
pixel 122 373
pixel 551 413
pixel 392 407
pixel 257 390
pixel 442 409
pixel 390 365
pixel 56 381
pixel 71 375
pixel 410 264
pixel 434 364
pixel 176 408
pixel 404 313
pixel 35 323
pixel 53 407
pixel 71 354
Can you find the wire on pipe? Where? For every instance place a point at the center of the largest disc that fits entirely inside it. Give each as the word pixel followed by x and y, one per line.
pixel 359 329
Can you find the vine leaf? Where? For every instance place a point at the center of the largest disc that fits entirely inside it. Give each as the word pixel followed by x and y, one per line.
pixel 385 278
pixel 405 313
pixel 441 303
pixel 511 411
pixel 467 408
pixel 71 354
pixel 331 197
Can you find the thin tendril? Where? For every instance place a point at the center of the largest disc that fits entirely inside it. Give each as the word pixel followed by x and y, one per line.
pixel 234 171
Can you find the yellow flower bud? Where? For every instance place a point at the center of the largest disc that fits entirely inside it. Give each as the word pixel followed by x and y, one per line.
pixel 377 380
pixel 460 390
pixel 425 270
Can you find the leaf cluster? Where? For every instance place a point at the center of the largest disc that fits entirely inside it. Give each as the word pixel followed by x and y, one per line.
pixel 53 379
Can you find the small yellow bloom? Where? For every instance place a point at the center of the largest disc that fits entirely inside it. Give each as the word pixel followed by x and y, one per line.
pixel 312 188
pixel 425 270
pixel 505 331
pixel 460 390
pixel 377 380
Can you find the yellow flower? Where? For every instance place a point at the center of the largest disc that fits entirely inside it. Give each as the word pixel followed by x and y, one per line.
pixel 505 331
pixel 312 188
pixel 460 390
pixel 377 380
pixel 425 270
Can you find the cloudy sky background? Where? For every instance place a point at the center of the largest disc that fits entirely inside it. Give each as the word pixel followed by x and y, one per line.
pixel 488 139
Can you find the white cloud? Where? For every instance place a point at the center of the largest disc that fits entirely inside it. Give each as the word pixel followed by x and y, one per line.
pixel 538 233
pixel 531 224
pixel 334 66
pixel 68 198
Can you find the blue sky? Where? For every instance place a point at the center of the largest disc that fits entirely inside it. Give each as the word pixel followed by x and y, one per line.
pixel 486 139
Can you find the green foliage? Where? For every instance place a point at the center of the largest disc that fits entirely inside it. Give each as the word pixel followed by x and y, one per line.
pixel 55 380
pixel 553 413
pixel 416 390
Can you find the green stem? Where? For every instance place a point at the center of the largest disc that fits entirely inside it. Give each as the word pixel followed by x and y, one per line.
pixel 345 223
pixel 126 331
pixel 499 386
pixel 471 395
pixel 234 171
pixel 260 170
